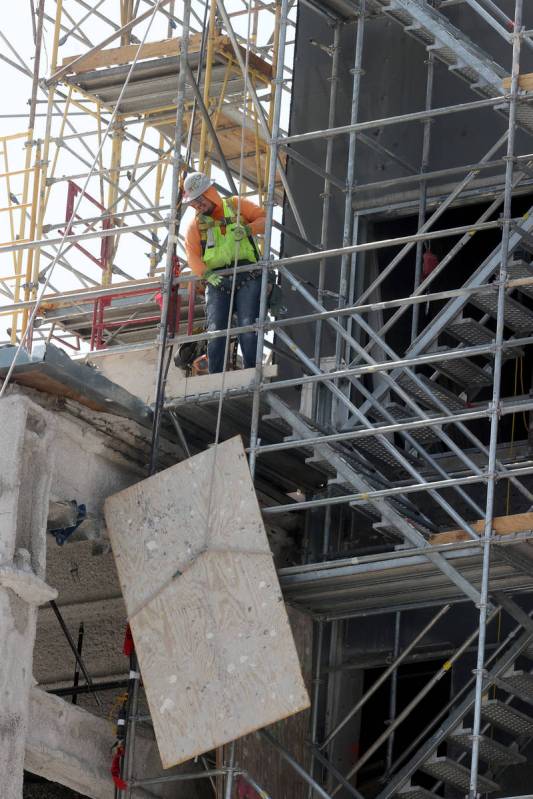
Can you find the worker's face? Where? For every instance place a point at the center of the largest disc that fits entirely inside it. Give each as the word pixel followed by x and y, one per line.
pixel 203 206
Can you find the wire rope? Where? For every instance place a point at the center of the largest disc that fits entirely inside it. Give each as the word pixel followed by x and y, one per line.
pixel 233 279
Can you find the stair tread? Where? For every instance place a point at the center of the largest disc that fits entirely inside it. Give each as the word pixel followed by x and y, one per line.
pixel 473 334
pixel 464 372
pixel 490 750
pixel 448 399
pixel 521 680
pixel 424 435
pixel 416 792
pixel 447 770
pixel 517 317
pixel 507 718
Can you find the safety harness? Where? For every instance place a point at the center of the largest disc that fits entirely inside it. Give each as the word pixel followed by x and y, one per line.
pixel 220 249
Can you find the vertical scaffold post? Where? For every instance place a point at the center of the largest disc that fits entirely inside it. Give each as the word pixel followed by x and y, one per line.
pixel 496 395
pixel 326 195
pixel 173 226
pixel 357 72
pixel 43 166
pixel 422 197
pixel 267 256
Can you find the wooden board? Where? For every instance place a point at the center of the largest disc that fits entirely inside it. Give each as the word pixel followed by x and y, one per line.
pixel 525 82
pixel 160 525
pixel 501 525
pixel 126 53
pixel 217 655
pixel 255 63
pixel 168 47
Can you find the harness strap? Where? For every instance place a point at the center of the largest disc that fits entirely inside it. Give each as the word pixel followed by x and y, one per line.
pixel 207 223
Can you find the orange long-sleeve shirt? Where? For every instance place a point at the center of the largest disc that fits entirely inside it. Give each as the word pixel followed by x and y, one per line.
pixel 251 215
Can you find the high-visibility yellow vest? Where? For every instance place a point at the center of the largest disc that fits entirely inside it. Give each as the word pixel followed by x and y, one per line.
pixel 220 249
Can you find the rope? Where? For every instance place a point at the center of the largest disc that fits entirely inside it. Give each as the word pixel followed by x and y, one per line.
pixel 233 277
pixel 52 266
pixel 162 373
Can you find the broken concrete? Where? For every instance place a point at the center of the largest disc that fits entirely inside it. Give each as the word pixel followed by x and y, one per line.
pixel 135 371
pixel 68 745
pixel 26 468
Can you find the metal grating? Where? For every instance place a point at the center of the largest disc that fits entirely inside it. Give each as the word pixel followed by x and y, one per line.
pixel 494 753
pixel 521 681
pixel 448 399
pixel 474 334
pixel 457 775
pixel 416 792
pixel 424 435
pixel 507 718
pixel 378 455
pixel 469 331
pixel 517 318
pixel 464 372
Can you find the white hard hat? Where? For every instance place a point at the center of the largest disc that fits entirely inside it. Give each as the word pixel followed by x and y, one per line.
pixel 194 185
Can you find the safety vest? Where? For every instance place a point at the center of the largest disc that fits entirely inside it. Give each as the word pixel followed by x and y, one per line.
pixel 220 249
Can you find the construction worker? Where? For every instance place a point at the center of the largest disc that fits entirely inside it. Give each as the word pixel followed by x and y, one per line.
pixel 222 231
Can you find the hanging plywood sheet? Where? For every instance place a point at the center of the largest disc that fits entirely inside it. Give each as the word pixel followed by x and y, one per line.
pixel 216 654
pixel 159 526
pixel 211 632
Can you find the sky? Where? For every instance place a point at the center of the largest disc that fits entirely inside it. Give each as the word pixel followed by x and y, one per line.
pixel 75 158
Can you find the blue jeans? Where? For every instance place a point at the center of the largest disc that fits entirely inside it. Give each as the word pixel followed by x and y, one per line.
pixel 245 305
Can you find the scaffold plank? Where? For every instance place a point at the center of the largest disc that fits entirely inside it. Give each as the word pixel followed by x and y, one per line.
pixel 126 53
pixel 525 82
pixel 501 525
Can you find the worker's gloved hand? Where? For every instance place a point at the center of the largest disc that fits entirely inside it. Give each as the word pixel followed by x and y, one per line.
pixel 241 232
pixel 213 279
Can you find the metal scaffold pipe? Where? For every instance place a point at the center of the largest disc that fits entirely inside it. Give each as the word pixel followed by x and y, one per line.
pixel 496 395
pixel 326 192
pixel 400 119
pixel 357 71
pixel 172 238
pixel 269 218
pixel 422 199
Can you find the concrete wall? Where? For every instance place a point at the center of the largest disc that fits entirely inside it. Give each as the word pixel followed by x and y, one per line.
pixel 135 371
pixel 53 454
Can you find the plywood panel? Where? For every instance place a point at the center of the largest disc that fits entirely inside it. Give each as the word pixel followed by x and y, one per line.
pixel 217 655
pixel 159 526
pixel 211 632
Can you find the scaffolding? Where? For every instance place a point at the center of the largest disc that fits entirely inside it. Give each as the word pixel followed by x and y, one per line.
pixel 409 440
